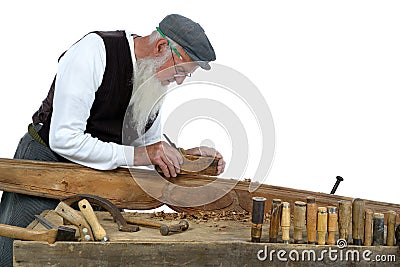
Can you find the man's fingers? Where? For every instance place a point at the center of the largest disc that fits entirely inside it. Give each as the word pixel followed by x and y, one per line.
pixel 170 166
pixel 164 169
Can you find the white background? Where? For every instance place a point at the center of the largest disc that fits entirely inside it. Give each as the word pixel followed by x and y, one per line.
pixel 329 71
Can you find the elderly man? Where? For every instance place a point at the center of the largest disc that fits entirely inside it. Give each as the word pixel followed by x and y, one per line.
pixel 102 110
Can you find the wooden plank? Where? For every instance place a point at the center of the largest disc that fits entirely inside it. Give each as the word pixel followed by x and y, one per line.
pixel 196 254
pixel 120 186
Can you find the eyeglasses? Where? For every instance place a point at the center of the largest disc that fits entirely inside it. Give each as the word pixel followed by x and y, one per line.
pixel 182 73
pixel 173 48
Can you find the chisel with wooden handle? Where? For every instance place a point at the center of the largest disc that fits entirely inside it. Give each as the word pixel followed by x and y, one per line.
pixel 311 214
pixel 87 211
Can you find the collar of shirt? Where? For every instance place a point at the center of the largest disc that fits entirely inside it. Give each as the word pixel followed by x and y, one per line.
pixel 131 43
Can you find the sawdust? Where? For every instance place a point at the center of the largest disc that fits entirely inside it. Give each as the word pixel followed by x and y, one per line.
pixel 204 216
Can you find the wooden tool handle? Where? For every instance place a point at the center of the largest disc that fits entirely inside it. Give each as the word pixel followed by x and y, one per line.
pixel 311 220
pixel 299 221
pixel 322 225
pixel 21 233
pixel 87 211
pixel 76 219
pixel 142 223
pixel 391 225
pixel 344 217
pixel 332 224
pixel 358 221
pixel 369 214
pixel 275 220
pixel 285 222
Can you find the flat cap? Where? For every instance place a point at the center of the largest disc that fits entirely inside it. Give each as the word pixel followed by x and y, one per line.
pixel 191 37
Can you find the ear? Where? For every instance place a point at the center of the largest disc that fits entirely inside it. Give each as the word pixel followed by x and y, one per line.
pixel 159 46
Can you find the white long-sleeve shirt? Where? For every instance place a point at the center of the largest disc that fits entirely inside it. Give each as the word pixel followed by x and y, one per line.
pixel 79 75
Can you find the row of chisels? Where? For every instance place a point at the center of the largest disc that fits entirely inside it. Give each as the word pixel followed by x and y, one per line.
pixel 325 225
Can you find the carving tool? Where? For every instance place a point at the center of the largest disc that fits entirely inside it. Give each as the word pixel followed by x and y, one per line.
pixel 358 221
pixel 322 225
pixel 369 215
pixel 257 218
pixel 379 229
pixel 311 220
pixel 275 220
pixel 391 225
pixel 299 221
pixel 344 216
pixel 285 222
pixel 332 224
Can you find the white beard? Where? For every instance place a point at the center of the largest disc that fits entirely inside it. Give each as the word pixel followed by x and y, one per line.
pixel 148 93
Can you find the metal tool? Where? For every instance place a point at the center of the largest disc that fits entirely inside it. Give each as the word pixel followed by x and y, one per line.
pixel 64 233
pixel 87 211
pixel 338 180
pixel 107 205
pixel 299 221
pixel 170 142
pixel 74 217
pixel 257 218
pixel 182 226
pixel 311 220
pixel 275 220
pixel 358 221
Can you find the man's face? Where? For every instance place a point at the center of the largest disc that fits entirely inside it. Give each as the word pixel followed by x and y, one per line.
pixel 176 69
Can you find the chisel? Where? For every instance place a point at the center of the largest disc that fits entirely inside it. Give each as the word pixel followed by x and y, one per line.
pixel 358 221
pixel 322 225
pixel 299 221
pixel 285 222
pixel 275 220
pixel 311 220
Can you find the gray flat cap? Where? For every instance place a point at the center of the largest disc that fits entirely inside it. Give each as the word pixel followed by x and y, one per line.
pixel 191 37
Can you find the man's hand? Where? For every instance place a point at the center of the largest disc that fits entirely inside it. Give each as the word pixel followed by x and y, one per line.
pixel 209 152
pixel 166 157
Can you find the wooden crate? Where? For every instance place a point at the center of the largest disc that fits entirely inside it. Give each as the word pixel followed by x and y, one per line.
pixel 211 242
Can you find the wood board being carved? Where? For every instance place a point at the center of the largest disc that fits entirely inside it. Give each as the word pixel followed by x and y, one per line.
pixel 146 189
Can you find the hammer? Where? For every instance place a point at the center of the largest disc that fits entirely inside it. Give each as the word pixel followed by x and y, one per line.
pixel 183 225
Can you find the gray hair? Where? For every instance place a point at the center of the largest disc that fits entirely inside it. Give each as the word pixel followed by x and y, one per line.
pixel 155 35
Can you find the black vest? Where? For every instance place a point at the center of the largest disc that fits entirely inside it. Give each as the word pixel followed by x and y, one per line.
pixel 112 97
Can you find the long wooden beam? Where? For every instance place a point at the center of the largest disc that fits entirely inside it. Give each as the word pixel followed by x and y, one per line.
pixel 145 189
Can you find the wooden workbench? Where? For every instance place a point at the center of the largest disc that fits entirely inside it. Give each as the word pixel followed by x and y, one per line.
pixel 209 241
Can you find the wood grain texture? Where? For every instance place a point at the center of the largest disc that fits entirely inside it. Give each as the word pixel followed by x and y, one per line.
pixel 129 188
pixel 184 254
